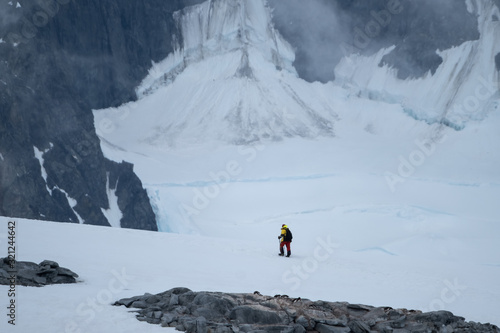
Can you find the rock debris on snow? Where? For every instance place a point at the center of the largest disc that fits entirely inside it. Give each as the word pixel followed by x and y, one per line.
pixel 240 312
pixel 30 274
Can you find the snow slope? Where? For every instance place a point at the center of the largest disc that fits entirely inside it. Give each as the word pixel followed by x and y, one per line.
pixel 231 81
pixel 422 260
pixel 430 242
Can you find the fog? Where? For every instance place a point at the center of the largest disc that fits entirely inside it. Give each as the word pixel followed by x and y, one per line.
pixel 323 31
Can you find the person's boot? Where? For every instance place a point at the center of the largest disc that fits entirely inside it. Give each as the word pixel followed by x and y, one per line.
pixel 282 252
pixel 289 253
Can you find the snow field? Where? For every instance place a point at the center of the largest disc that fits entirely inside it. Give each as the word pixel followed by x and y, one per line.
pixel 430 244
pixel 427 239
pixel 380 255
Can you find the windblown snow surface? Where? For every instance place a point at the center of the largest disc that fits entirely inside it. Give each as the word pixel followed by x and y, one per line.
pixel 391 187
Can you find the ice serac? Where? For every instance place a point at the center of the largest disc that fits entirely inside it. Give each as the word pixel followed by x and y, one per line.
pixel 227 80
pixel 464 88
pixel 219 27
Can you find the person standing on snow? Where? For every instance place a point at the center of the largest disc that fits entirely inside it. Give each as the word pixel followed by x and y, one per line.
pixel 285 239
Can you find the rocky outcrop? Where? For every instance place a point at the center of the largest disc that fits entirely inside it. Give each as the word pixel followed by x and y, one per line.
pixel 24 273
pixel 223 312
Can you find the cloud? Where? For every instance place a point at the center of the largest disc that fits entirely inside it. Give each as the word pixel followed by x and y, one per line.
pixel 323 31
pixel 313 29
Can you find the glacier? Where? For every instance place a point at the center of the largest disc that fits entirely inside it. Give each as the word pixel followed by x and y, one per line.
pixel 464 88
pixel 232 80
pixel 230 142
pixel 229 93
pixel 229 81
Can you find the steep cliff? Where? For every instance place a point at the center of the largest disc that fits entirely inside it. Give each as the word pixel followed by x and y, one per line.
pixel 60 60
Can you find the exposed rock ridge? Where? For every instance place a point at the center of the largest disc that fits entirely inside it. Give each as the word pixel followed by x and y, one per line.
pixel 243 312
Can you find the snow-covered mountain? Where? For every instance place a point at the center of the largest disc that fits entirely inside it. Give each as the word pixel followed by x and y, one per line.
pixel 52 166
pixel 232 80
pixel 464 88
pixel 390 186
pixel 225 130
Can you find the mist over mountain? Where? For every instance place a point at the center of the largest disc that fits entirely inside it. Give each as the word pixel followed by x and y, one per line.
pixel 342 27
pixel 62 59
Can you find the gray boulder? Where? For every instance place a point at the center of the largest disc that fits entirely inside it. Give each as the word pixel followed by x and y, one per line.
pixel 51 264
pixel 35 275
pixel 437 317
pixel 66 272
pixel 357 326
pixel 254 315
pixel 301 320
pixel 167 318
pixel 323 328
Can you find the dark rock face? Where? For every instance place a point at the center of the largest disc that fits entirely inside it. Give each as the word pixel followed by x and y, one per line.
pixel 497 61
pixel 132 200
pixel 34 275
pixel 60 60
pixel 222 312
pixel 323 31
